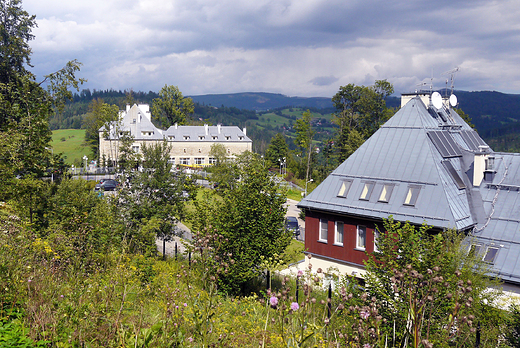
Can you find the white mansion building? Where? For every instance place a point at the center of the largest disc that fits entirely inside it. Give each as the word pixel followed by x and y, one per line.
pixel 190 145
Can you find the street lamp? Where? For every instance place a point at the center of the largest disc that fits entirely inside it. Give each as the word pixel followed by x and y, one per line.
pixel 85 158
pixel 311 180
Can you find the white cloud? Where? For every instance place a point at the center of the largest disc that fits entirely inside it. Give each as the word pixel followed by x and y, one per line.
pixel 295 47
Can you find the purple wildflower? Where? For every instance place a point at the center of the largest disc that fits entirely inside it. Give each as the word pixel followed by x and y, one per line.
pixel 300 273
pixel 295 306
pixel 364 314
pixel 273 301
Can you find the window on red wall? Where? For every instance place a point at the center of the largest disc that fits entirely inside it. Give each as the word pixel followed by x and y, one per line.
pixel 376 239
pixel 361 240
pixel 324 229
pixel 338 234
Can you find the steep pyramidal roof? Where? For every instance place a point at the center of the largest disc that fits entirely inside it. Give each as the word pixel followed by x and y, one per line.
pixel 428 165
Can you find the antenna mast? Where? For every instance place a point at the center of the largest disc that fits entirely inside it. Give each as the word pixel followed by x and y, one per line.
pixel 452 73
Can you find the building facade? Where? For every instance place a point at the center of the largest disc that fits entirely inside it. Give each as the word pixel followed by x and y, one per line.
pixel 424 165
pixel 190 145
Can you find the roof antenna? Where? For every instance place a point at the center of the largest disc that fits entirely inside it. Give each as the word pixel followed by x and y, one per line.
pixel 452 73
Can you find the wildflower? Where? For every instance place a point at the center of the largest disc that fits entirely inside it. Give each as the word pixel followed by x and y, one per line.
pixel 300 273
pixel 364 314
pixel 190 339
pixel 29 280
pixel 367 345
pixel 185 305
pixel 62 296
pixel 273 301
pixel 295 306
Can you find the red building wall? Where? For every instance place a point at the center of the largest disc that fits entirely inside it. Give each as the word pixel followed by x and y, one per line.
pixel 348 251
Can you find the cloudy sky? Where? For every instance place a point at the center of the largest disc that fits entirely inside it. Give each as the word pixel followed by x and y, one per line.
pixel 294 47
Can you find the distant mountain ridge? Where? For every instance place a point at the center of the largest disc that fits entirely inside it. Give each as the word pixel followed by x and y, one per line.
pixel 261 101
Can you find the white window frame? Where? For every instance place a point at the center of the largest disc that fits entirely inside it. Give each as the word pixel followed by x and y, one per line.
pixel 212 160
pixel 135 148
pixel 359 246
pixel 344 188
pixel 339 233
pixel 199 160
pixel 323 232
pixel 185 161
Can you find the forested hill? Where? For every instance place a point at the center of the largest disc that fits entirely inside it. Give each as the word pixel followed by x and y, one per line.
pixel 496 115
pixel 261 101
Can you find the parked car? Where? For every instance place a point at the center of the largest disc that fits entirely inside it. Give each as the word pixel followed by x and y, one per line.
pixel 291 224
pixel 106 185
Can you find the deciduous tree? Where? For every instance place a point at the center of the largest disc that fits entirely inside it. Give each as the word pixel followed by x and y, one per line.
pixel 242 224
pixel 171 107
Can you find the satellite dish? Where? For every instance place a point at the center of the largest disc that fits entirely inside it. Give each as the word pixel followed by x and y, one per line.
pixel 437 100
pixel 453 100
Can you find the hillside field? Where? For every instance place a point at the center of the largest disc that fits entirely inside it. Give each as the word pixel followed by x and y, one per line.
pixel 69 142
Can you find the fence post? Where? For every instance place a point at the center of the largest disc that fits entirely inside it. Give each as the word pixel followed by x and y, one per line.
pixel 297 287
pixel 175 251
pixel 329 304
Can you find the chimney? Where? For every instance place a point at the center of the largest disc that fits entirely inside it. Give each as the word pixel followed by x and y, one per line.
pixel 218 128
pixel 176 125
pixel 206 128
pixel 127 107
pixel 479 164
pixel 244 131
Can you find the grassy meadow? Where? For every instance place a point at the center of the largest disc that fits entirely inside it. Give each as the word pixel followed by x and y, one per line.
pixel 69 142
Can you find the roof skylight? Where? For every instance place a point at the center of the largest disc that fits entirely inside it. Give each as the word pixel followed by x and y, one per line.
pixel 367 191
pixel 345 187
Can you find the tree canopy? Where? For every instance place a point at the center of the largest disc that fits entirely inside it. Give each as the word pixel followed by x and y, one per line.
pixel 171 107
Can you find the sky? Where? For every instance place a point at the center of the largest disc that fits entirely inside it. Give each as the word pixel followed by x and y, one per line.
pixel 306 48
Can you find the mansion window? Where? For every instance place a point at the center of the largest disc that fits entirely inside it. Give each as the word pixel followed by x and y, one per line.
pixel 214 137
pixel 201 137
pixel 338 235
pixel 212 160
pixel 361 240
pixel 185 161
pixel 199 160
pixel 228 137
pixel 324 229
pixel 171 137
pixel 171 161
pixel 186 137
pixel 135 149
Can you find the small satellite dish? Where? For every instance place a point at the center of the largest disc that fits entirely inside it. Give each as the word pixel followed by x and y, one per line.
pixel 437 100
pixel 453 100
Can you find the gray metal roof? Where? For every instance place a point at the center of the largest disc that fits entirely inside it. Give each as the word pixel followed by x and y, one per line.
pixel 402 154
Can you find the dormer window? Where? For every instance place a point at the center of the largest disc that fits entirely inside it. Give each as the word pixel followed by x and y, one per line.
pixel 240 138
pixel 201 137
pixel 171 137
pixel 228 137
pixel 345 187
pixel 186 137
pixel 490 163
pixel 491 254
pixel 214 137
pixel 367 191
pixel 411 195
pixel 386 192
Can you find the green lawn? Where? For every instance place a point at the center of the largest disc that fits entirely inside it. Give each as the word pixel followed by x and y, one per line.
pixel 69 142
